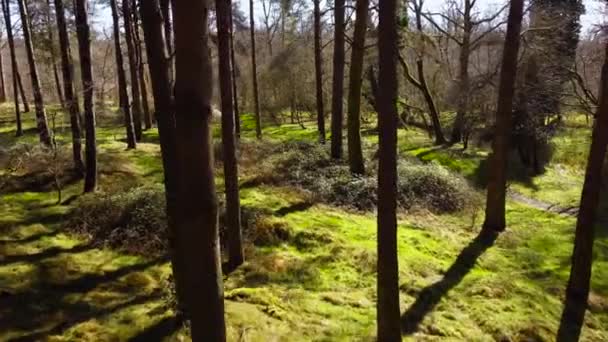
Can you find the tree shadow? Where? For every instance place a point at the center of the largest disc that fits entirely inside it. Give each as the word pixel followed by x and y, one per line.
pixel 31 238
pixel 160 330
pixel 430 296
pixel 300 206
pixel 47 253
pixel 39 182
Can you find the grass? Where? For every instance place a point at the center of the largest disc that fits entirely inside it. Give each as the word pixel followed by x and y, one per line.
pixel 315 282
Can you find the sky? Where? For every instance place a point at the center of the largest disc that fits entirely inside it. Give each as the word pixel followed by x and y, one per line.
pixel 592 16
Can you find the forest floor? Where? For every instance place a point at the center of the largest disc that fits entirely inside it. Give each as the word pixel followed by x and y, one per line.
pixel 318 281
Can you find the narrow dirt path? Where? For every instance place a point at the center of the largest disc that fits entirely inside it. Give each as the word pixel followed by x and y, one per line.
pixel 545 206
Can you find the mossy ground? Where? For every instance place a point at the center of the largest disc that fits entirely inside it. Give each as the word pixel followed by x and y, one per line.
pixel 317 282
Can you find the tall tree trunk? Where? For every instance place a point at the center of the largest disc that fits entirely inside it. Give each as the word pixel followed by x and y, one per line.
pixel 165 6
pixel 196 230
pixel 231 176
pixel 254 71
pixel 497 183
pixel 83 32
pixel 51 39
pixel 237 115
pixel 139 55
pixel 319 72
pixel 355 154
pixel 463 74
pixel 2 83
pixel 131 54
pixel 68 84
pixel 337 103
pixel 388 315
pixel 122 80
pixel 159 65
pixel 14 65
pixel 41 121
pixel 577 292
pixel 26 105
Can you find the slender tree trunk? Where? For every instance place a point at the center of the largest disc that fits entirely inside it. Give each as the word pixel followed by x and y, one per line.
pixel 197 232
pixel 131 54
pixel 337 103
pixel 159 65
pixel 54 55
pixel 83 33
pixel 577 292
pixel 463 77
pixel 41 121
pixel 68 84
pixel 231 176
pixel 122 80
pixel 26 105
pixel 388 314
pixel 254 68
pixel 14 66
pixel 319 72
pixel 2 83
pixel 139 55
pixel 355 153
pixel 497 183
pixel 237 115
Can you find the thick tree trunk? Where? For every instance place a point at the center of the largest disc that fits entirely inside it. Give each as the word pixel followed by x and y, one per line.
pixel 83 33
pixel 14 65
pixel 141 73
pixel 463 74
pixel 577 292
pixel 497 183
pixel 231 176
pixel 388 314
pixel 41 121
pixel 165 6
pixel 237 115
pixel 122 80
pixel 197 235
pixel 337 103
pixel 159 66
pixel 67 68
pixel 319 73
pixel 355 153
pixel 132 56
pixel 254 68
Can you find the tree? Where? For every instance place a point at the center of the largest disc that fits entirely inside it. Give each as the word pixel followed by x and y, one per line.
pixel 319 72
pixel 83 33
pixel 133 69
pixel 14 65
pixel 196 221
pixel 355 154
pixel 71 99
pixel 388 314
pixel 53 53
pixel 338 81
pixel 122 81
pixel 41 121
pixel 254 74
pixel 237 116
pixel 577 291
pixel 421 83
pixel 139 56
pixel 497 183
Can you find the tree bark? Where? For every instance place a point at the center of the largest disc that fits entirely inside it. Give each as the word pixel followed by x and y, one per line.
pixel 231 177
pixel 337 103
pixel 133 69
pixel 122 80
pixel 355 153
pixel 2 83
pixel 197 234
pixel 26 105
pixel 497 183
pixel 41 121
pixel 388 314
pixel 14 65
pixel 463 74
pixel 254 68
pixel 83 33
pixel 51 39
pixel 139 55
pixel 237 115
pixel 577 292
pixel 159 65
pixel 319 73
pixel 67 68
pixel 165 6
